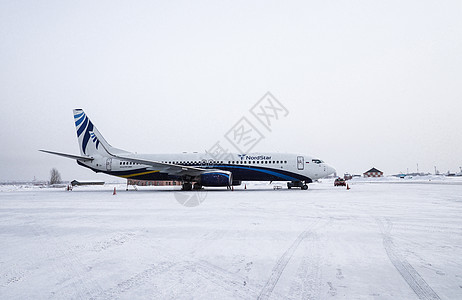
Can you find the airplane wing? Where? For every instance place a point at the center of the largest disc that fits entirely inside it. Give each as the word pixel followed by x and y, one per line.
pixel 172 169
pixel 77 157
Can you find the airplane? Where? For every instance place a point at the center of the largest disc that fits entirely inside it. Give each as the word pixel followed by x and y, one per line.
pixel 193 170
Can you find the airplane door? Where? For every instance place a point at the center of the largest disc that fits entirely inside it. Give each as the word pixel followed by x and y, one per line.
pixel 109 164
pixel 204 163
pixel 300 162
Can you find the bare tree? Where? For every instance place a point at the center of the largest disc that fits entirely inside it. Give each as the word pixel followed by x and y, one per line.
pixel 55 177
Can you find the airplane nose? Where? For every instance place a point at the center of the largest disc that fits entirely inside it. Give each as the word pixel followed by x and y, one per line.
pixel 330 170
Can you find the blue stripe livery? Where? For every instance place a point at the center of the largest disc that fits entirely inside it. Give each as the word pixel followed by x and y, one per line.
pixel 265 171
pixel 87 127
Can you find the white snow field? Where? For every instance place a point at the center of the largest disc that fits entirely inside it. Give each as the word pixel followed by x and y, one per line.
pixel 379 240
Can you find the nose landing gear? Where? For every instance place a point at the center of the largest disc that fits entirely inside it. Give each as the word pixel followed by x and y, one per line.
pixel 297 184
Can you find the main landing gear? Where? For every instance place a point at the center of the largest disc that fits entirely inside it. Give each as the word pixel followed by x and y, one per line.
pixel 188 186
pixel 298 184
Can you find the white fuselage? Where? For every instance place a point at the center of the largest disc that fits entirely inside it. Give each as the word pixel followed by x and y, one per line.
pixel 246 167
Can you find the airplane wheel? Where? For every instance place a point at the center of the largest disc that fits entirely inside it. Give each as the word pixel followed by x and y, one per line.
pixel 304 187
pixel 187 186
pixel 197 186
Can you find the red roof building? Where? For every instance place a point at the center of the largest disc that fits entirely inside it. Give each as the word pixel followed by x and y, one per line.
pixel 373 173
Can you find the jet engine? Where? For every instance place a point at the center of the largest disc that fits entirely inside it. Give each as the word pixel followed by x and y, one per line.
pixel 216 178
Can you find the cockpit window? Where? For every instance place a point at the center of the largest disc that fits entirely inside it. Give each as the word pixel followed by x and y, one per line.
pixel 317 161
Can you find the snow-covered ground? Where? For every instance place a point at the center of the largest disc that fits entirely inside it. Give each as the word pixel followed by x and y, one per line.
pixel 378 240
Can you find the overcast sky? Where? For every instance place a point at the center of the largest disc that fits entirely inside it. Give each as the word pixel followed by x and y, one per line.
pixel 366 83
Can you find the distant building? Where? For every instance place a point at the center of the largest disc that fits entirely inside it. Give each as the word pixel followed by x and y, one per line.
pixel 76 182
pixel 373 173
pixel 152 182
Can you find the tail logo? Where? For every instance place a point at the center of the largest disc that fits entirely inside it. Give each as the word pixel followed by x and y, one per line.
pixel 86 127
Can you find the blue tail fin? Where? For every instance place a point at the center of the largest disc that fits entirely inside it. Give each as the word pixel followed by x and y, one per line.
pixel 91 142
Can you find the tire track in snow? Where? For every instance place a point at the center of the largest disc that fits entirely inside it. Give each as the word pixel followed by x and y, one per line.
pixel 227 281
pixel 410 275
pixel 62 259
pixel 175 261
pixel 68 264
pixel 307 283
pixel 134 281
pixel 233 283
pixel 114 240
pixel 282 262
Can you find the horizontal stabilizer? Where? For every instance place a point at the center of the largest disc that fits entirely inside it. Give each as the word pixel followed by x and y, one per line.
pixel 77 157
